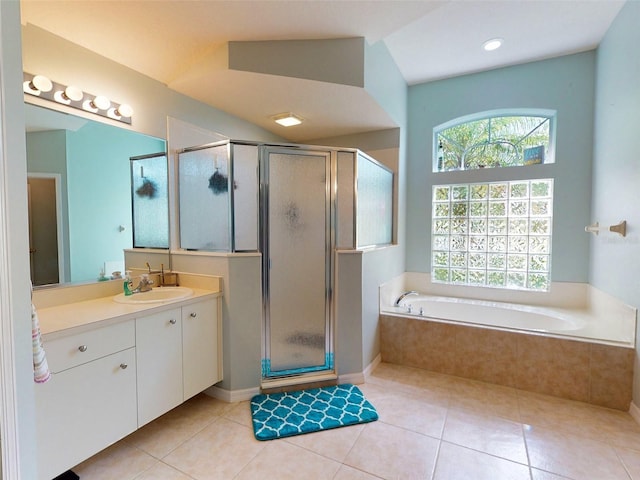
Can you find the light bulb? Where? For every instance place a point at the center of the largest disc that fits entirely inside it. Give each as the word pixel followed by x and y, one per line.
pixel 41 83
pixel 101 103
pixel 124 110
pixel 73 93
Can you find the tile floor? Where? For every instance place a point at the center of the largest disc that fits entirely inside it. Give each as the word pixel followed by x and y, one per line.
pixel 431 426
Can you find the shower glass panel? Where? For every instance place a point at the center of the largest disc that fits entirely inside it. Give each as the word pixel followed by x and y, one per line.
pixel 375 203
pixel 205 199
pixel 150 202
pixel 345 200
pixel 298 263
pixel 245 197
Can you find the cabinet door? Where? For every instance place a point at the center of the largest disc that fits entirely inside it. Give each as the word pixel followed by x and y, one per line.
pixel 201 349
pixel 159 364
pixel 83 410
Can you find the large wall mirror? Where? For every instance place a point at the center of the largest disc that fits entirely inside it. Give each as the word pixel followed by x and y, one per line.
pixel 79 186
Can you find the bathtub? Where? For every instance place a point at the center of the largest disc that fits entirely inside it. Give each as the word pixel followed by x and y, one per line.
pixel 581 348
pixel 582 324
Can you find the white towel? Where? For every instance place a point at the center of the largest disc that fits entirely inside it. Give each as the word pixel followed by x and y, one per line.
pixel 41 371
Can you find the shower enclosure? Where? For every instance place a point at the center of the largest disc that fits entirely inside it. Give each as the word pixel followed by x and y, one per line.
pixel 297 248
pixel 296 205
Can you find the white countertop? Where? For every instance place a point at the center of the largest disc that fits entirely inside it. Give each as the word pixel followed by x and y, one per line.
pixel 75 317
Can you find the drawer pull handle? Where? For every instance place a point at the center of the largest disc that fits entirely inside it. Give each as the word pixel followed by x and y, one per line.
pixel 193 314
pixel 123 366
pixel 82 348
pixel 172 321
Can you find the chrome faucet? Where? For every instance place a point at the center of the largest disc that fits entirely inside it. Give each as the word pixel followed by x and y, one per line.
pixel 144 285
pixel 405 294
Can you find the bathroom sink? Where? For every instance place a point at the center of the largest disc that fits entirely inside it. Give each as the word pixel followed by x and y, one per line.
pixel 156 295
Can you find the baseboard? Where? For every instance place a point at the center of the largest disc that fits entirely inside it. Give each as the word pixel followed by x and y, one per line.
pixel 353 378
pixel 371 367
pixel 232 396
pixel 634 411
pixel 360 377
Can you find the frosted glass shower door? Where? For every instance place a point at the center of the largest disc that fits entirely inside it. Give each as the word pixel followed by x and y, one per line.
pixel 297 262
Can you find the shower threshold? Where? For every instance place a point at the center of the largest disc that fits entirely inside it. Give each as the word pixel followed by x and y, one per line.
pixel 302 379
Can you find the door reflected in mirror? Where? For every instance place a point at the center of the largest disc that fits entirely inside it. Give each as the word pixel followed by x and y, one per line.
pixel 93 216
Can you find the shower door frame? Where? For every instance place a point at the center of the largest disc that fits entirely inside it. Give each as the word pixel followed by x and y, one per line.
pixel 328 368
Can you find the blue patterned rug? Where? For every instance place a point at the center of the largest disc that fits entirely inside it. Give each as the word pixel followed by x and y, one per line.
pixel 278 415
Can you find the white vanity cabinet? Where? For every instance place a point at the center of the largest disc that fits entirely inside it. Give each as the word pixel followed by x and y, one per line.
pixel 202 346
pixel 115 368
pixel 159 363
pixel 178 356
pixel 90 400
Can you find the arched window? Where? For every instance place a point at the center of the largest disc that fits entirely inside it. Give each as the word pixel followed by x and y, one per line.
pixel 497 138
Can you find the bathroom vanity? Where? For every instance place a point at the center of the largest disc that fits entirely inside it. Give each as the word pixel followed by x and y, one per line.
pixel 116 367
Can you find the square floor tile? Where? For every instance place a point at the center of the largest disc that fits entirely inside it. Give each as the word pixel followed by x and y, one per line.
pixel 488 434
pixel 393 452
pixel 284 461
pixel 459 463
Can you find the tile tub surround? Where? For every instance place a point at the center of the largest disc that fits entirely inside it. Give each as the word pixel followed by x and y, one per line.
pixel 576 370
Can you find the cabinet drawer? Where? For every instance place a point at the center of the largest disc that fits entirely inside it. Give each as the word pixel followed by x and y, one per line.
pixel 76 349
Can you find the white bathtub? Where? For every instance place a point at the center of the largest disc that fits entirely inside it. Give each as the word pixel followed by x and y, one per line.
pixel 583 324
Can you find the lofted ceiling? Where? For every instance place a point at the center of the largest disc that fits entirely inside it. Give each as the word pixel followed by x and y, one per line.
pixel 181 43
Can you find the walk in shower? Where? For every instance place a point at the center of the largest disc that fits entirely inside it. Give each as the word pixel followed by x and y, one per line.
pixel 297 205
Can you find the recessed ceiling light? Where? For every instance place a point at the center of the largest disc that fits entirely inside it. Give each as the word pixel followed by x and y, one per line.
pixel 492 44
pixel 287 119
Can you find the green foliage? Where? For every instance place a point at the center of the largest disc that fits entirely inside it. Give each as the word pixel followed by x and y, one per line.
pixel 491 142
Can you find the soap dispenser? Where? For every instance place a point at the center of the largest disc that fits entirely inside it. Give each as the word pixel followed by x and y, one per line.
pixel 128 284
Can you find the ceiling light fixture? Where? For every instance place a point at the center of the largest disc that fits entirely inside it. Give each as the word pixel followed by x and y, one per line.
pixel 287 119
pixel 72 96
pixel 492 44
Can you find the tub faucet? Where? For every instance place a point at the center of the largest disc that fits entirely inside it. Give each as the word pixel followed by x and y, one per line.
pixel 405 294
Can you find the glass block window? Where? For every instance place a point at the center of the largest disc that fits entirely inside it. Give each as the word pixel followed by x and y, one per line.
pixel 494 139
pixel 494 234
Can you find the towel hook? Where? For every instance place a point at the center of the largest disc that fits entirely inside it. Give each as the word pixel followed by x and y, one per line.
pixel 620 228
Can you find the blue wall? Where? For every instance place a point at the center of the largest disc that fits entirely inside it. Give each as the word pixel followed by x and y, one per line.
pixel 565 84
pixel 614 260
pixel 99 194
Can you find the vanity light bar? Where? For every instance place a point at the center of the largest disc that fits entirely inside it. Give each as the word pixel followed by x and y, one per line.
pixel 72 96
